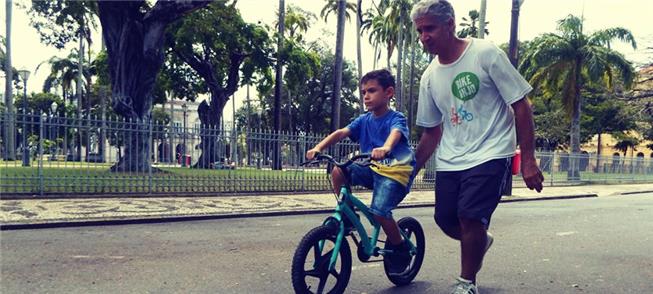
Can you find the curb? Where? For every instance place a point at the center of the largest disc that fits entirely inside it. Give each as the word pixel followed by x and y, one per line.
pixel 636 192
pixel 197 217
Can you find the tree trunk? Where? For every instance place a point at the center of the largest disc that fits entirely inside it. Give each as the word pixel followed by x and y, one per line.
pixel 134 43
pixel 598 155
pixel 10 131
pixel 573 173
pixel 411 106
pixel 210 132
pixel 80 71
pixel 400 51
pixel 514 22
pixel 276 156
pixel 210 114
pixel 359 21
pixel 481 19
pixel 340 34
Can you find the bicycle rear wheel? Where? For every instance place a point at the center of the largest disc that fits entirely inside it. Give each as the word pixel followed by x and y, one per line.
pixel 310 264
pixel 414 232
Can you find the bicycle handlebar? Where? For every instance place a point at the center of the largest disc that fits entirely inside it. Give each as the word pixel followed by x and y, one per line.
pixel 319 157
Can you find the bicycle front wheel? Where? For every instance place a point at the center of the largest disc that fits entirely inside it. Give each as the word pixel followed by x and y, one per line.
pixel 310 264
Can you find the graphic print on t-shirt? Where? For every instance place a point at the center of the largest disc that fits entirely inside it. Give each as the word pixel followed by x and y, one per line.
pixel 464 87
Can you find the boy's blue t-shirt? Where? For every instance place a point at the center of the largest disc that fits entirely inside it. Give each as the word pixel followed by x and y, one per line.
pixel 372 132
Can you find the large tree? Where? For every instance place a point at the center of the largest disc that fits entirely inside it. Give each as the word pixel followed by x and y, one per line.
pixel 221 49
pixel 134 37
pixel 567 61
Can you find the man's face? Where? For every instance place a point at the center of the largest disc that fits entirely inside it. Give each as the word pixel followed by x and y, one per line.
pixel 434 35
pixel 374 96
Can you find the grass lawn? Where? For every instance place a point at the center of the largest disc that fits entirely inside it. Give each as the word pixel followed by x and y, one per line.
pixel 95 178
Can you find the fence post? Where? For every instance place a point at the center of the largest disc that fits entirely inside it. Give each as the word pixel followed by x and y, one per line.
pixel 40 168
pixel 553 160
pixel 149 155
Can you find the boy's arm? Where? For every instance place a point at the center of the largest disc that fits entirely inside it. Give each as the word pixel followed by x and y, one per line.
pixel 392 140
pixel 331 139
pixel 427 144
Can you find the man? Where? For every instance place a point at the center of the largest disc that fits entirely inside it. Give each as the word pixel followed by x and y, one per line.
pixel 464 106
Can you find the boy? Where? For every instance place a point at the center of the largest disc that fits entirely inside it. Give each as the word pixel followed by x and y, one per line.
pixel 383 133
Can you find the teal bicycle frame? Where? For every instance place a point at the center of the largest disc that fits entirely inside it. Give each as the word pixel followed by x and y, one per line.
pixel 345 208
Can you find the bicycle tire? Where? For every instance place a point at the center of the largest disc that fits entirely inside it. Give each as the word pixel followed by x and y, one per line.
pixel 413 229
pixel 310 241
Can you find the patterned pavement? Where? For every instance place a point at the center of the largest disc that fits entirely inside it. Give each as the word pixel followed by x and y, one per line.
pixel 25 213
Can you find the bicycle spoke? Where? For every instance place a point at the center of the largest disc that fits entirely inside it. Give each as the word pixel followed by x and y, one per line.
pixel 320 287
pixel 313 273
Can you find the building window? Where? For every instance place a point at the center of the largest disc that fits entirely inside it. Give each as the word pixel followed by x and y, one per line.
pixel 176 127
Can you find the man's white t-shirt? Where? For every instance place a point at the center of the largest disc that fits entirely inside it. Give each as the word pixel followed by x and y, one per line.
pixel 471 98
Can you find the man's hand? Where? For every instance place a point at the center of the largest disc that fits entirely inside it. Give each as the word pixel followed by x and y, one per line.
pixel 532 175
pixel 380 153
pixel 310 154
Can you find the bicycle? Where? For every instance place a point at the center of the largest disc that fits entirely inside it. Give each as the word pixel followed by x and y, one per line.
pixel 331 255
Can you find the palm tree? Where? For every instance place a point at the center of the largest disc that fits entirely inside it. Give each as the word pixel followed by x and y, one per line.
pixel 340 35
pixel 297 21
pixel 566 62
pixel 10 146
pixel 63 71
pixel 332 6
pixel 277 88
pixel 399 23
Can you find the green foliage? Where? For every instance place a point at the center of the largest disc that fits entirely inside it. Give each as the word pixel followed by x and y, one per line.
pixel 469 26
pixel 311 93
pixel 208 40
pixel 37 103
pixel 59 22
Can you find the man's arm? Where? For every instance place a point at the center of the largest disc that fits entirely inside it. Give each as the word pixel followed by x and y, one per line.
pixel 427 144
pixel 526 138
pixel 331 139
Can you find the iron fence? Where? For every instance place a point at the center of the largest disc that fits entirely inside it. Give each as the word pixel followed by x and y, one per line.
pixel 83 156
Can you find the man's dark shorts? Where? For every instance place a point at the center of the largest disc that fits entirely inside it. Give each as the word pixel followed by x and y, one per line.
pixel 472 193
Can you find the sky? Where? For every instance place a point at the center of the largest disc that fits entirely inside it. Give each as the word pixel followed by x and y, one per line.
pixel 536 17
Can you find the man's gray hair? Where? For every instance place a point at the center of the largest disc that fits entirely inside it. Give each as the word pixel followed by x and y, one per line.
pixel 440 9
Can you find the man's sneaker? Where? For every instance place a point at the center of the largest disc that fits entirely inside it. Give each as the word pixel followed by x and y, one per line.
pixel 464 287
pixel 399 259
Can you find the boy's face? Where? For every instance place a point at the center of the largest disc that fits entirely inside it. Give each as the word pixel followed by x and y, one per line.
pixel 374 96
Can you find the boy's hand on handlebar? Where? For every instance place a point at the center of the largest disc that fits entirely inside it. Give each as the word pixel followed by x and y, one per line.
pixel 379 153
pixel 310 154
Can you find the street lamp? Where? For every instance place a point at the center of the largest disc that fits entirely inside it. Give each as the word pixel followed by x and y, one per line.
pixel 24 75
pixel 53 134
pixel 183 155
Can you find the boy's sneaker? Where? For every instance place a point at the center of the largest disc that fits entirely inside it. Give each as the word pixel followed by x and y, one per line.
pixel 464 287
pixel 399 259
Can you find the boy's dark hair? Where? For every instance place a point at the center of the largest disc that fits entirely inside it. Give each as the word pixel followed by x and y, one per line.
pixel 382 76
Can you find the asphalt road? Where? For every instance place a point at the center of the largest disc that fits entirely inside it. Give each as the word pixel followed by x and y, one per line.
pixel 589 245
